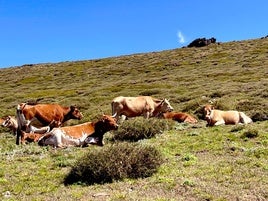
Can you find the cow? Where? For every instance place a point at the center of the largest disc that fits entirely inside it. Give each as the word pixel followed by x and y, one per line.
pixel 219 117
pixel 145 106
pixel 46 113
pixel 79 135
pixel 24 125
pixel 12 123
pixel 30 137
pixel 179 117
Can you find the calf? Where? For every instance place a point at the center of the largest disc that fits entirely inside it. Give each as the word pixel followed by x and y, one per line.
pixel 219 117
pixel 179 117
pixel 80 135
pixel 30 137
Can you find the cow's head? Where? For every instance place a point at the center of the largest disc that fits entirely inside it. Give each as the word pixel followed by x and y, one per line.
pixel 207 112
pixel 9 122
pixel 109 122
pixel 75 113
pixel 165 106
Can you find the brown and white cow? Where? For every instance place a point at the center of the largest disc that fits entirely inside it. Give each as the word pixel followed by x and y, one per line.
pixel 219 117
pixel 179 117
pixel 80 135
pixel 139 106
pixel 46 113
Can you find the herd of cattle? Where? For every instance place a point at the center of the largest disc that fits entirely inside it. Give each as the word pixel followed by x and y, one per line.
pixel 51 117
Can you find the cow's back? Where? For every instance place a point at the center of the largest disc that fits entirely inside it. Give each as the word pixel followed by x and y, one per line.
pixel 229 117
pixel 130 106
pixel 76 131
pixel 45 113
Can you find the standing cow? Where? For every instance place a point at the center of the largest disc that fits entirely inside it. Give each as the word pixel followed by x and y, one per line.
pixel 45 114
pixel 139 106
pixel 219 117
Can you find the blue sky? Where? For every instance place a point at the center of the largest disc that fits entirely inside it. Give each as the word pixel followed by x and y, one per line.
pixel 48 31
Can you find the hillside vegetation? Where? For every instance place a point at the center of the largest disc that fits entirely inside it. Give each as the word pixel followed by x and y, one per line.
pixel 201 163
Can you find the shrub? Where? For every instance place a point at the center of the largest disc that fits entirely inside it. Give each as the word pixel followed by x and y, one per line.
pixel 115 162
pixel 259 116
pixel 139 128
pixel 257 109
pixel 252 133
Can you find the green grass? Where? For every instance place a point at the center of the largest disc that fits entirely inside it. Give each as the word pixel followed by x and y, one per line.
pixel 200 163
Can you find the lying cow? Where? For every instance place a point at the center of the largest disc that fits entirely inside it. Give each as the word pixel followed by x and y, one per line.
pixel 79 135
pixel 139 106
pixel 46 113
pixel 219 117
pixel 30 137
pixel 179 117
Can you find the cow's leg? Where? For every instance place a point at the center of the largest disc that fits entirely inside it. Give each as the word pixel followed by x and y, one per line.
pixel 146 114
pixel 41 130
pixel 221 122
pixel 123 117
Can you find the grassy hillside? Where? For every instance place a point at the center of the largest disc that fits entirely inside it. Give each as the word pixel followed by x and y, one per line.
pixel 202 163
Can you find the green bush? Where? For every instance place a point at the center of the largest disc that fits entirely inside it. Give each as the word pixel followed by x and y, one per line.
pixel 139 128
pixel 115 162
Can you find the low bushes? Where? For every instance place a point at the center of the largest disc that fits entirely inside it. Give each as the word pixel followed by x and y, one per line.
pixel 139 128
pixel 115 162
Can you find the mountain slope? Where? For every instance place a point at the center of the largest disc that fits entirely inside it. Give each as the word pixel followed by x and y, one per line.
pixel 201 163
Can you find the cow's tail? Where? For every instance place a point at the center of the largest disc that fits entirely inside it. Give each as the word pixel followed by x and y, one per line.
pixel 244 118
pixel 21 121
pixel 113 108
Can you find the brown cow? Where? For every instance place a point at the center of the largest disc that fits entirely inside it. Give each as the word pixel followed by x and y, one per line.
pixel 139 106
pixel 80 135
pixel 219 117
pixel 46 113
pixel 25 125
pixel 179 117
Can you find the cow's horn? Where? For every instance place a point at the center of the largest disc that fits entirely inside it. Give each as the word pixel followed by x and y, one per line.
pixel 114 115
